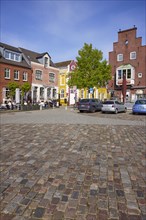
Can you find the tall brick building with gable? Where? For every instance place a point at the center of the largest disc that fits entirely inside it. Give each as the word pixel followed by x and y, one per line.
pixel 128 57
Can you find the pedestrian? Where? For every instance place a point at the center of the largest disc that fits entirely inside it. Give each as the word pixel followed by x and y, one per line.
pixel 10 104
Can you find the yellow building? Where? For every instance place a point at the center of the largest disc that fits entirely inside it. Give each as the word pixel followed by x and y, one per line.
pixel 66 95
pixel 100 93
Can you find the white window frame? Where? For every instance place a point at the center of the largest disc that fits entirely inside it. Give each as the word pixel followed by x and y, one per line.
pixel 7 73
pixel 12 56
pixel 62 93
pixel 54 93
pixel 133 55
pixel 46 61
pixel 42 92
pixel 38 74
pixel 120 74
pixel 120 57
pixel 16 75
pixel 48 93
pixel 51 77
pixel 25 76
pixel 127 73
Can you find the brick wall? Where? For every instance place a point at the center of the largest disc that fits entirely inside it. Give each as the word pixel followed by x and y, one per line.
pixel 4 82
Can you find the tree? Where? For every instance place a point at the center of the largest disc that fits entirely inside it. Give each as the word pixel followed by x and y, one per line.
pixel 12 86
pixel 91 71
pixel 25 88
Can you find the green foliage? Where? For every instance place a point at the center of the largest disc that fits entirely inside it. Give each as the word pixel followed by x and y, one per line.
pixel 91 71
pixel 25 88
pixel 12 87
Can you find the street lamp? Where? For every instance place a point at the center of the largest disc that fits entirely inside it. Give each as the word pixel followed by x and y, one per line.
pixel 124 86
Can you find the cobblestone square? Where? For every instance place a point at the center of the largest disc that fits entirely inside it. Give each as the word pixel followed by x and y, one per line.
pixel 59 164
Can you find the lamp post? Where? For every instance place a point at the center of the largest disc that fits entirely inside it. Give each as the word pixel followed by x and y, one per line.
pixel 124 86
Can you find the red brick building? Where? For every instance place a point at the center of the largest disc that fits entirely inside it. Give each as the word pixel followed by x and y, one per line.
pixel 128 58
pixel 13 68
pixel 21 65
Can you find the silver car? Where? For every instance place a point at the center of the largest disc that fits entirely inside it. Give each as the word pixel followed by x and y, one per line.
pixel 113 106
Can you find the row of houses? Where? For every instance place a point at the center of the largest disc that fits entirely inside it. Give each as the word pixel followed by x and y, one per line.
pixel 49 80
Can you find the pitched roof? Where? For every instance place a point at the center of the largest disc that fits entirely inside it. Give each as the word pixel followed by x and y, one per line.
pixel 34 56
pixel 23 62
pixel 63 64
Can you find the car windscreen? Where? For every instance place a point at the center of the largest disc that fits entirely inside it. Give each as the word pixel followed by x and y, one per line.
pixel 84 100
pixel 108 102
pixel 140 102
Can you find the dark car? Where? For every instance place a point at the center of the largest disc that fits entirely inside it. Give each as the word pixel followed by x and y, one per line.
pixel 139 107
pixel 89 105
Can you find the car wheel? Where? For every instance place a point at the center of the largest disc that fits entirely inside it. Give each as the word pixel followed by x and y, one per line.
pixel 93 110
pixel 135 113
pixel 116 111
pixel 103 112
pixel 81 111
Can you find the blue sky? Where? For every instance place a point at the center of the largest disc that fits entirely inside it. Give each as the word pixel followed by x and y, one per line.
pixel 62 27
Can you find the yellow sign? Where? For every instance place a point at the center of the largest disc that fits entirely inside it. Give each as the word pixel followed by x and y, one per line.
pixel 102 90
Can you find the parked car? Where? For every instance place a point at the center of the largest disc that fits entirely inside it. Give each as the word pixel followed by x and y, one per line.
pixel 89 105
pixel 113 106
pixel 139 107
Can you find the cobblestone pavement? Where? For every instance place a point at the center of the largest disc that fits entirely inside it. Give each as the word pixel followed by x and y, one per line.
pixel 81 167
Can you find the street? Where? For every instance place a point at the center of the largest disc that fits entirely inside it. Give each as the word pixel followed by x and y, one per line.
pixel 63 165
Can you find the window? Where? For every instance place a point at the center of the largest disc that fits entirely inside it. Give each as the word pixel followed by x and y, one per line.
pixel 7 73
pixel 125 70
pixel 24 76
pixel 132 55
pixel 119 74
pixel 12 56
pixel 128 73
pixel 62 79
pixel 46 62
pixel 54 93
pixel 49 93
pixel 16 74
pixel 62 93
pixel 41 93
pixel 120 57
pixel 139 75
pixel 51 77
pixel 38 74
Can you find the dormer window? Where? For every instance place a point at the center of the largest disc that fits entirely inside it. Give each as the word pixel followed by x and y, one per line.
pixel 46 61
pixel 12 56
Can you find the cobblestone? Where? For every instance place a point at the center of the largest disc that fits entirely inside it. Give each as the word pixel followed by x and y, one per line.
pixel 82 166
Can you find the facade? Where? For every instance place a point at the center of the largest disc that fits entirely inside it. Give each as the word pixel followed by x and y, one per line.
pixel 128 59
pixel 44 76
pixel 13 68
pixel 67 95
pixel 21 65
